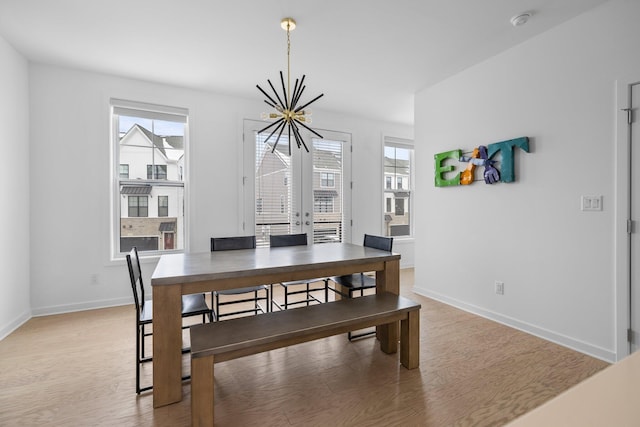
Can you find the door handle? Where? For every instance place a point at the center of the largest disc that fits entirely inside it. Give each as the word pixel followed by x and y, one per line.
pixel 297 222
pixel 307 223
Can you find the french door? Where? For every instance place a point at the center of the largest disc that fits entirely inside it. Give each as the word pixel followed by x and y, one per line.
pixel 288 190
pixel 634 244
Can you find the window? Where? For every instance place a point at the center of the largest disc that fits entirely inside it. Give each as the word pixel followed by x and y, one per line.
pixel 157 172
pixel 323 204
pixel 163 206
pixel 149 145
pixel 398 168
pixel 138 206
pixel 327 180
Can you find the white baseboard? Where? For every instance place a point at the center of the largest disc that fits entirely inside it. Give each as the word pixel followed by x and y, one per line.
pixel 89 305
pixel 15 324
pixel 563 340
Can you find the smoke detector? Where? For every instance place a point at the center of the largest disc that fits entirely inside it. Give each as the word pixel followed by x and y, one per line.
pixel 521 19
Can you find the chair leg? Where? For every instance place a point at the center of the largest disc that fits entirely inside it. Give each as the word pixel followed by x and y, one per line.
pixel 138 361
pixel 217 306
pixel 286 298
pixel 272 301
pixel 256 307
pixel 268 301
pixel 326 290
pixel 142 339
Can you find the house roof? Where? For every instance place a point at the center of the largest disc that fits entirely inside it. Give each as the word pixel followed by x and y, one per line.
pixel 171 146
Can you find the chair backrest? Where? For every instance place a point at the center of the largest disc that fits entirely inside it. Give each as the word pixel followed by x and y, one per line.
pixel 288 240
pixel 135 274
pixel 378 242
pixel 232 243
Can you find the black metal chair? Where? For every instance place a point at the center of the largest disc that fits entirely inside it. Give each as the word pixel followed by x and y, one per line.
pixel 296 240
pixel 235 243
pixel 192 305
pixel 359 282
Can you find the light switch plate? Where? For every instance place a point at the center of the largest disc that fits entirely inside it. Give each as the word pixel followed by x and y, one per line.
pixel 591 203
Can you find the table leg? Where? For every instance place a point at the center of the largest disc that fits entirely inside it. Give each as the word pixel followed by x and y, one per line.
pixel 167 345
pixel 388 280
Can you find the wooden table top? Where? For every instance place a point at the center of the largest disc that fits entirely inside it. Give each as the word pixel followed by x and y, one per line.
pixel 202 266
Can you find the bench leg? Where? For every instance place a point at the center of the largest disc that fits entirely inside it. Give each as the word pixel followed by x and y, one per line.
pixel 388 336
pixel 202 391
pixel 410 340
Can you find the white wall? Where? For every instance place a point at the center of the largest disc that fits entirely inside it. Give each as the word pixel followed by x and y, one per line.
pixel 557 263
pixel 70 178
pixel 14 175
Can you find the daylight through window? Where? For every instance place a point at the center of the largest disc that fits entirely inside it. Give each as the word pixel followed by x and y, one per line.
pixel 149 150
pixel 398 187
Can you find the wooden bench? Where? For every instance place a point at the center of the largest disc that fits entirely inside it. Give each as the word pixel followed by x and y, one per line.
pixel 230 339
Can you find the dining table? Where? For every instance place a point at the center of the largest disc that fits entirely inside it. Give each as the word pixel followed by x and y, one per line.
pixel 178 274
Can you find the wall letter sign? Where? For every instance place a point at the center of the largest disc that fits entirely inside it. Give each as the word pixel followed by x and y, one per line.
pixel 481 156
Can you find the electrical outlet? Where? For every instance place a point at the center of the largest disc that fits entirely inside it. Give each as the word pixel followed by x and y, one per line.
pixel 95 279
pixel 499 288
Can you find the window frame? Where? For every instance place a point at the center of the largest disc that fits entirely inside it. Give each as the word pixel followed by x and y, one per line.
pixel 120 107
pixel 120 168
pixel 327 180
pixel 165 207
pixel 402 143
pixel 152 172
pixel 138 206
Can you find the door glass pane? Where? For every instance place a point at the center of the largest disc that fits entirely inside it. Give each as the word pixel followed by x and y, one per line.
pixel 327 191
pixel 273 192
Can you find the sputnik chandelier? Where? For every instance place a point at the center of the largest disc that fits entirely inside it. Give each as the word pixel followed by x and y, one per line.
pixel 287 114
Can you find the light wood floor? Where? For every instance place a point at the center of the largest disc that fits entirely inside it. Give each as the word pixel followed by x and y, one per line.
pixel 78 369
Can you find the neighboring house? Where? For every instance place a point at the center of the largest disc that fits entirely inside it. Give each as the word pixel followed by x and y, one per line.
pixel 327 196
pixel 273 194
pixel 150 214
pixel 397 196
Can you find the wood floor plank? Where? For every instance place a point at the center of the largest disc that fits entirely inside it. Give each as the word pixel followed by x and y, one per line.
pixel 79 369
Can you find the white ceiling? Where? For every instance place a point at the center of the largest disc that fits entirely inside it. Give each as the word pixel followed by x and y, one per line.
pixel 367 56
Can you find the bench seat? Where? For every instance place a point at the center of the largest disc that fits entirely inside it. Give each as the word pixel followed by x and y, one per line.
pixel 230 339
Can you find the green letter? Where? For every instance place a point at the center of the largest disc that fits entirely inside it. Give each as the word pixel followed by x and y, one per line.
pixel 441 170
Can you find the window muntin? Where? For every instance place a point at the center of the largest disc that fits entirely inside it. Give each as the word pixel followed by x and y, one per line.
pixel 150 205
pixel 398 187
